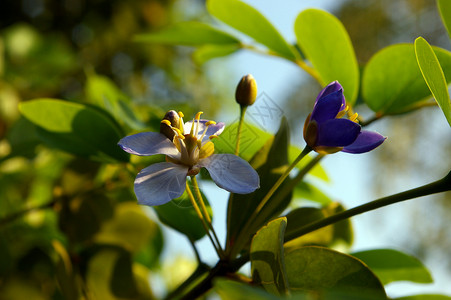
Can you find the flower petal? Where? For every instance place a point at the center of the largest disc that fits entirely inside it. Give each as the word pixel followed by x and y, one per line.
pixel 231 173
pixel 148 143
pixel 328 106
pixel 330 88
pixel 337 133
pixel 366 141
pixel 160 183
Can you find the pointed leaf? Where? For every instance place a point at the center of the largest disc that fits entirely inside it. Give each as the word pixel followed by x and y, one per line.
pixel 207 52
pixel 189 34
pixel 331 274
pixel 391 265
pixel 392 82
pixel 248 20
pixel 267 263
pixel 76 128
pixel 326 44
pixel 444 7
pixel 433 75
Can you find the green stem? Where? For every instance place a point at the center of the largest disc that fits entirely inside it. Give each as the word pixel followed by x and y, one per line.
pixel 240 241
pixel 240 125
pixel 206 214
pixel 201 217
pixel 429 189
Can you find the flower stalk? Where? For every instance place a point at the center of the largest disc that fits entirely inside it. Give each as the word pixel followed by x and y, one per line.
pixel 240 126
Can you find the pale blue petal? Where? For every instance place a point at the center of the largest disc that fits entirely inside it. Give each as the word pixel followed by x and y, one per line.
pixel 231 173
pixel 160 183
pixel 148 143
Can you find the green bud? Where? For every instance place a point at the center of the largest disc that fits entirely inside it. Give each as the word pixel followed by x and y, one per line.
pixel 174 119
pixel 246 91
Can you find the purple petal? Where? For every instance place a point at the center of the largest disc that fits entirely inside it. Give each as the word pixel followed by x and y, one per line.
pixel 232 173
pixel 366 141
pixel 327 107
pixel 148 143
pixel 337 133
pixel 329 89
pixel 160 183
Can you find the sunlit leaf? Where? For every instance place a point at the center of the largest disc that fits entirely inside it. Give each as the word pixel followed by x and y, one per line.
pixel 233 290
pixel 332 274
pixel 76 128
pixel 103 92
pixel 248 20
pixel 179 214
pixel 392 82
pixel 204 53
pixel 433 75
pixel 326 44
pixel 267 258
pixel 391 265
pixel 189 34
pixel 130 227
pixel 444 7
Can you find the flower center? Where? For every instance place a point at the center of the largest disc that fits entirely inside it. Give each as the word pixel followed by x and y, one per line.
pixel 192 146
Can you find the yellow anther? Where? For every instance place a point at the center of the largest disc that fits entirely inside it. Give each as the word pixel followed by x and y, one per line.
pixel 179 133
pixel 197 117
pixel 353 118
pixel 210 123
pixel 167 122
pixel 181 115
pixel 341 114
pixel 212 137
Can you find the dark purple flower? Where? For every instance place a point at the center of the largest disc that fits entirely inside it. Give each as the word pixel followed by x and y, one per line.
pixel 325 131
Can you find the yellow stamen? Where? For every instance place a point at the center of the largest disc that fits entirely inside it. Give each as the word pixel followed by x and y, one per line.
pixel 181 115
pixel 179 133
pixel 213 136
pixel 197 117
pixel 192 127
pixel 167 122
pixel 210 123
pixel 354 117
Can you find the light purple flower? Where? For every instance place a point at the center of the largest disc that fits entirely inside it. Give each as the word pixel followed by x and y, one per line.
pixel 325 131
pixel 188 148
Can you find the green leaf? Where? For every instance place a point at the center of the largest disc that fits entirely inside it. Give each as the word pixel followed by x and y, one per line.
pixel 241 207
pixel 326 44
pixel 189 34
pixel 76 128
pixel 444 7
pixel 391 265
pixel 425 297
pixel 332 274
pixel 130 228
pixel 207 52
pixel 233 290
pixel 307 191
pixel 179 214
pixel 392 82
pixel 103 92
pixel 252 140
pixel 248 20
pixel 340 232
pixel 266 255
pixel 122 283
pixel 433 75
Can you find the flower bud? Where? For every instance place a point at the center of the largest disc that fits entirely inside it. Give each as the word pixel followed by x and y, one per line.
pixel 246 91
pixel 165 128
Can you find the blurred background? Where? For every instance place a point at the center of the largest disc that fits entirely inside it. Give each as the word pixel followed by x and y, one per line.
pixel 48 49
